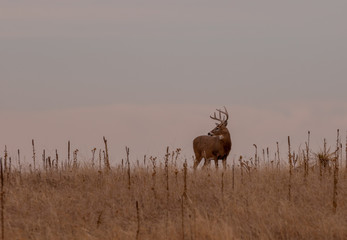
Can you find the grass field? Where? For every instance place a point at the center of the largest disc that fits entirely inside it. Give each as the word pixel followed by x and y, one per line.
pixel 165 199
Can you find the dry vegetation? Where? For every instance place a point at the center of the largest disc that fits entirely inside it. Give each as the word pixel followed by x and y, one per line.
pixel 165 199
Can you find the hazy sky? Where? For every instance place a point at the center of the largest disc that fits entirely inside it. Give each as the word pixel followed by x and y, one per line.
pixel 67 64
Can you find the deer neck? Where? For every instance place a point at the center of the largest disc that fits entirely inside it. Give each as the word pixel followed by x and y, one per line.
pixel 224 137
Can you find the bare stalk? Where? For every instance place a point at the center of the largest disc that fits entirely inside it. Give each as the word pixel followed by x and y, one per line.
pixel 138 220
pixel 233 172
pixel 93 152
pixel 44 160
pixel 9 168
pixel 99 159
pixel 49 162
pixel 256 155
pixel 167 188
pixel 19 164
pixel 104 154
pixel 278 156
pixel 68 154
pixel 182 216
pixel 341 154
pixel 336 176
pixel 336 171
pixel 178 150
pixel 74 159
pixel 56 159
pixel 167 172
pixel 305 157
pixel 241 167
pixel 154 173
pixel 320 162
pixel 222 187
pixel 5 159
pixel 107 162
pixel 34 158
pixel 307 153
pixel 185 165
pixel 128 162
pixel 290 169
pixel 2 200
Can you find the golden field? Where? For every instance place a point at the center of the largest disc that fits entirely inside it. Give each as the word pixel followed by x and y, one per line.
pixel 162 199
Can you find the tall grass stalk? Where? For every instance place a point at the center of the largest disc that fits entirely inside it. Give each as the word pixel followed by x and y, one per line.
pixel 75 163
pixel 167 189
pixel 308 152
pixel 34 153
pixel 341 153
pixel 185 172
pixel 128 163
pixel 9 167
pixel 278 156
pixel 5 159
pixel 93 157
pixel 336 171
pixel 56 159
pixel 182 216
pixel 222 186
pixel 19 163
pixel 68 154
pixel 44 160
pixel 305 156
pixel 107 160
pixel 138 220
pixel 2 200
pixel 100 159
pixel 233 175
pixel 290 170
pixel 241 168
pixel 154 175
pixel 256 155
pixel 264 157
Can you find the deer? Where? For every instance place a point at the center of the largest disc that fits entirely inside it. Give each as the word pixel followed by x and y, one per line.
pixel 216 144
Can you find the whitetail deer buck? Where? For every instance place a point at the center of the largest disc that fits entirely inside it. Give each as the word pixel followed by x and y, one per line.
pixel 216 145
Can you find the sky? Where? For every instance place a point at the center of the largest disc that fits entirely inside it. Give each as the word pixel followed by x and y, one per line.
pixel 148 74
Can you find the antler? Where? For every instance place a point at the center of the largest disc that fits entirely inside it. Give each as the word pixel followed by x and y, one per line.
pixel 220 119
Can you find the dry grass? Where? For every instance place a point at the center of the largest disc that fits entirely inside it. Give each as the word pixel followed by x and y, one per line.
pixel 85 203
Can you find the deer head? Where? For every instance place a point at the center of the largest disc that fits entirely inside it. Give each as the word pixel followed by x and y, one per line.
pixel 220 128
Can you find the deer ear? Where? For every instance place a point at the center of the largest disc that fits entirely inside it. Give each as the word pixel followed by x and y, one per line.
pixel 216 124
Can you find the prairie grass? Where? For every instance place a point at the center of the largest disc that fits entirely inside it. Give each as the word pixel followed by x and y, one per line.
pixel 88 203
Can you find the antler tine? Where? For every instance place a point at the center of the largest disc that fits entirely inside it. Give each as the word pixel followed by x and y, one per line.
pixel 225 113
pixel 221 118
pixel 214 117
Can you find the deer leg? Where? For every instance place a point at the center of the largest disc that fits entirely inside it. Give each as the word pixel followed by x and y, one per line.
pixel 216 162
pixel 224 160
pixel 196 162
pixel 207 163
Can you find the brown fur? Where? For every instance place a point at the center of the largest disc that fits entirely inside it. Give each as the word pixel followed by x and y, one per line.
pixel 216 145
